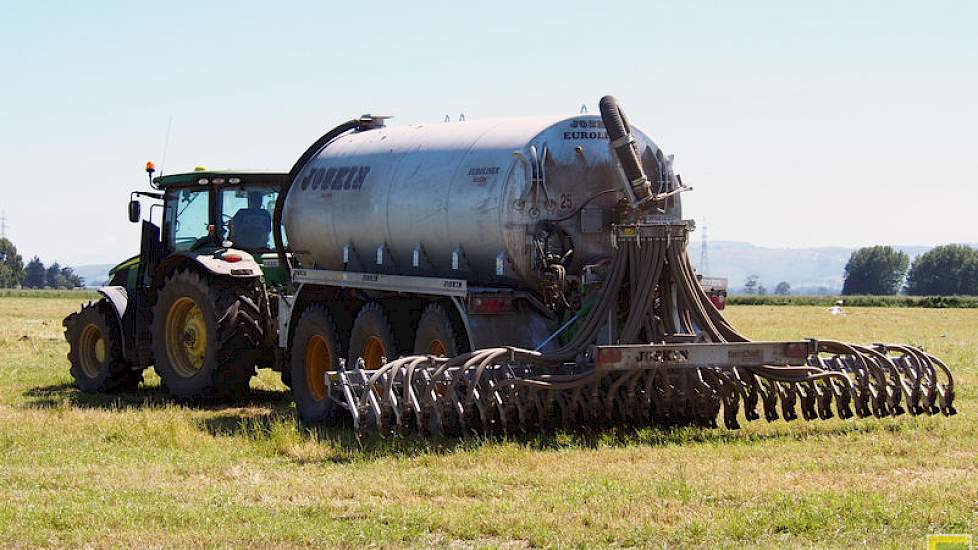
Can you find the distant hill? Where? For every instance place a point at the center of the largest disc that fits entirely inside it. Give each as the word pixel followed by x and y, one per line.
pixel 94 274
pixel 807 270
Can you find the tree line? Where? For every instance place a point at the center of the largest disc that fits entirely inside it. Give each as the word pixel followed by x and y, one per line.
pixel 14 273
pixel 949 270
pixel 753 286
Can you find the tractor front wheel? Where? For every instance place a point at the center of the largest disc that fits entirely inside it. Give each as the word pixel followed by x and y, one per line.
pixel 206 336
pixel 95 350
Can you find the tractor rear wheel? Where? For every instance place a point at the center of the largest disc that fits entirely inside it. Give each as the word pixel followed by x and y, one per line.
pixel 206 336
pixel 95 350
pixel 315 351
pixel 371 338
pixel 435 335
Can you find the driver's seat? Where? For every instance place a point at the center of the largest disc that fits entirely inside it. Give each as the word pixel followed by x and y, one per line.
pixel 251 228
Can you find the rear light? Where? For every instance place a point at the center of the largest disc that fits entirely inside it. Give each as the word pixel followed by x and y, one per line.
pixel 490 305
pixel 609 355
pixel 231 258
pixel 796 350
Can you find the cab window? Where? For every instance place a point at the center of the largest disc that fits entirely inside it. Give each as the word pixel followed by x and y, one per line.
pixel 246 216
pixel 186 217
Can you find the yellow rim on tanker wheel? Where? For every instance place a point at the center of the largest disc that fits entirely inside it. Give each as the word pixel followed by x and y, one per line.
pixel 186 337
pixel 319 358
pixel 91 350
pixel 373 353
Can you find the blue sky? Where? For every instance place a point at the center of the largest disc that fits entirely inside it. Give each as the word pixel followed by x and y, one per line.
pixel 798 123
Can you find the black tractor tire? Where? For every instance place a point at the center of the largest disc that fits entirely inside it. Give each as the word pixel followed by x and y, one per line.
pixel 95 351
pixel 221 314
pixel 435 334
pixel 315 350
pixel 371 338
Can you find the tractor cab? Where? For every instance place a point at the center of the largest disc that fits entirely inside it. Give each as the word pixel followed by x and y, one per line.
pixel 209 210
pixel 205 207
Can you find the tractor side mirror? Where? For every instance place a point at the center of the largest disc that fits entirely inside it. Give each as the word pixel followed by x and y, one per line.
pixel 134 211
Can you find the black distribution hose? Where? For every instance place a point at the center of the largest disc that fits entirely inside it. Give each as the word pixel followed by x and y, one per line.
pixel 313 150
pixel 727 330
pixel 688 298
pixel 643 299
pixel 623 143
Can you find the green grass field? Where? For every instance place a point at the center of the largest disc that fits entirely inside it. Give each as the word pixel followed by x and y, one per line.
pixel 139 471
pixel 857 301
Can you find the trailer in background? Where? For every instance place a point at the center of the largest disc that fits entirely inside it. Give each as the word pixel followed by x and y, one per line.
pixel 716 289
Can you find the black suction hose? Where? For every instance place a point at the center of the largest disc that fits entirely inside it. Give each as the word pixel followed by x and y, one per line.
pixel 313 150
pixel 624 145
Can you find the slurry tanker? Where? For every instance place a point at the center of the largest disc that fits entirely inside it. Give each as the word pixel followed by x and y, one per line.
pixel 492 276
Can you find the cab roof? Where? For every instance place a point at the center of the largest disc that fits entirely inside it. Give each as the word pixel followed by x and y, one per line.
pixel 221 177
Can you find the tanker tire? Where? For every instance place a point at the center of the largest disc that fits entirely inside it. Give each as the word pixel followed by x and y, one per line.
pixel 435 331
pixel 233 338
pixel 370 330
pixel 95 327
pixel 315 350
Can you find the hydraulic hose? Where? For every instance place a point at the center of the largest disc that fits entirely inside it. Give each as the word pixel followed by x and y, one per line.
pixel 623 144
pixel 313 150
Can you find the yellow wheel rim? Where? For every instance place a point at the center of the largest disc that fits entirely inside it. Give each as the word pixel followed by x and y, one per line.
pixel 373 353
pixel 319 358
pixel 437 348
pixel 186 337
pixel 91 350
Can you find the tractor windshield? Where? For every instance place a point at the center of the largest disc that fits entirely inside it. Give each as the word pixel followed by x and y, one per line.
pixel 246 216
pixel 186 217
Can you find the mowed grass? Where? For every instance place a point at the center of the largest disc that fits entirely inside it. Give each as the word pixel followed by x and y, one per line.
pixel 137 470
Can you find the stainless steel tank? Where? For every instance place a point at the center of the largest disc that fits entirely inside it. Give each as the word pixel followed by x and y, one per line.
pixel 468 199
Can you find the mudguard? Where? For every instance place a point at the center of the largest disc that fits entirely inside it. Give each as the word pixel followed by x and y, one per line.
pixel 119 298
pixel 228 262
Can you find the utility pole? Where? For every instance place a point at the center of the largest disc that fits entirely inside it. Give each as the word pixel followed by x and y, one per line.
pixel 3 224
pixel 704 253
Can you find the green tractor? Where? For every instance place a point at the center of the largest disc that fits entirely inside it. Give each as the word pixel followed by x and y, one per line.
pixel 198 301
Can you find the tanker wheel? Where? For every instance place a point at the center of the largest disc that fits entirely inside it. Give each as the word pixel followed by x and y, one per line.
pixel 206 336
pixel 435 335
pixel 371 338
pixel 95 350
pixel 314 352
